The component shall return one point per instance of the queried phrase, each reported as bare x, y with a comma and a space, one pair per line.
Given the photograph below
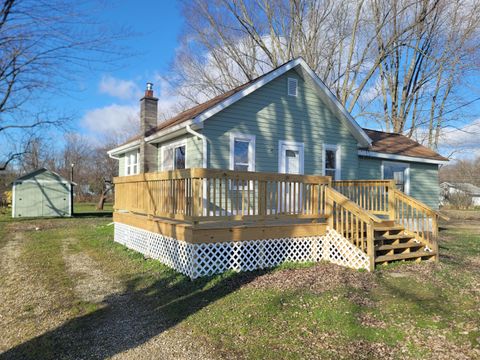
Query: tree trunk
103, 198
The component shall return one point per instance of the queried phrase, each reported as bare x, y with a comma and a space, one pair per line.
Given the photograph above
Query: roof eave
387, 156
169, 132
124, 148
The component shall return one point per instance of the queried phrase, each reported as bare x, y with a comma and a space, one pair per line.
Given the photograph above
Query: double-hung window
242, 152
174, 156
332, 161
131, 162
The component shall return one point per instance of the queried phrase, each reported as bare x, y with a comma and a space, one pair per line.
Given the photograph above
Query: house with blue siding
274, 170
286, 121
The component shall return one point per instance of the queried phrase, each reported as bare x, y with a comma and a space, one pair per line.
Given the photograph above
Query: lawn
71, 292
88, 207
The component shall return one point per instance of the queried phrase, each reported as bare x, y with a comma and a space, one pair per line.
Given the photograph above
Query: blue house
288, 123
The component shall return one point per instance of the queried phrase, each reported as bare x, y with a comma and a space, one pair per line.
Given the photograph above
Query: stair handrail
340, 204
399, 203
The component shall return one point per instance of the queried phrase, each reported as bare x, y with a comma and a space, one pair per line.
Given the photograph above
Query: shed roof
40, 171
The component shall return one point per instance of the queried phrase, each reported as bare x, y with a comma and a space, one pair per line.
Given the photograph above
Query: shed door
28, 200
41, 198
55, 198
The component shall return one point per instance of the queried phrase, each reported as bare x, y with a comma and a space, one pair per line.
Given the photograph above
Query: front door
291, 161
399, 172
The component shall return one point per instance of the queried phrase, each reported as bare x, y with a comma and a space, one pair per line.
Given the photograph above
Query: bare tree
397, 63
105, 169
42, 43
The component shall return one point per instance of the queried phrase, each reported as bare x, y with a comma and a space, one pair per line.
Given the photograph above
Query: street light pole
71, 188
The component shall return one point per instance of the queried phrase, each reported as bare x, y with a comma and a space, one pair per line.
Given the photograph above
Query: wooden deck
205, 206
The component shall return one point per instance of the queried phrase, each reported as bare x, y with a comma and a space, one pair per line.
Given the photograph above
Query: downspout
204, 164
204, 144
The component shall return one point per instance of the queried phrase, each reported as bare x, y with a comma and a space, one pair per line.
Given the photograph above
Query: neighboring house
257, 187
42, 193
460, 188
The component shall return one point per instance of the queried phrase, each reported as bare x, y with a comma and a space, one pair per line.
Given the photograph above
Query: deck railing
416, 217
352, 222
371, 195
381, 197
209, 194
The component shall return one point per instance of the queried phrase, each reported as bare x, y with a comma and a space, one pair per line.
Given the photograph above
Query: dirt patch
91, 283
422, 272
26, 307
317, 279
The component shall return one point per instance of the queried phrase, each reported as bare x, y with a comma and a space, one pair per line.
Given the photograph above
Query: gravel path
27, 309
128, 321
119, 326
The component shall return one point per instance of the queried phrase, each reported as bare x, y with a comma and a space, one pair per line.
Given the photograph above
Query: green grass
86, 207
426, 304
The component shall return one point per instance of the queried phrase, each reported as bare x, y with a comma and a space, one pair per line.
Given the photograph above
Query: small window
131, 165
332, 161
242, 152
292, 87
174, 157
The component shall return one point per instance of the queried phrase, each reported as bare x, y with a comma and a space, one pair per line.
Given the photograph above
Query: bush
459, 200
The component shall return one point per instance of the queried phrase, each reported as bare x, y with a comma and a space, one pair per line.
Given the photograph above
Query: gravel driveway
33, 317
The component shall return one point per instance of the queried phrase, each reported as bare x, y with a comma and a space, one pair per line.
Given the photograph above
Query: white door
291, 155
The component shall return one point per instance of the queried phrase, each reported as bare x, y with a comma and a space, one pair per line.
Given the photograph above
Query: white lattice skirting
195, 260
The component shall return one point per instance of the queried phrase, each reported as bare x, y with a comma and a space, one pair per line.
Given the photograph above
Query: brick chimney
148, 121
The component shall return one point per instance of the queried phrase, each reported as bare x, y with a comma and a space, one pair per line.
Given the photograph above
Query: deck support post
329, 208
435, 237
391, 200
371, 245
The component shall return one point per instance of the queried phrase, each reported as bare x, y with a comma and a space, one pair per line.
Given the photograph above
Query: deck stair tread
416, 254
394, 237
381, 227
399, 246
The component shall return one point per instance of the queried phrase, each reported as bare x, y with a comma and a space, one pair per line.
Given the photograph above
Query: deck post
391, 200
197, 198
329, 208
371, 245
434, 241
262, 198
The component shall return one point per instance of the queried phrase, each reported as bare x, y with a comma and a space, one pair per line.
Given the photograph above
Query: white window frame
131, 166
407, 172
173, 145
251, 149
284, 145
294, 81
338, 159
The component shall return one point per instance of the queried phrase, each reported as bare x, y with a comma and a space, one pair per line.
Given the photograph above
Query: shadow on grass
93, 214
131, 318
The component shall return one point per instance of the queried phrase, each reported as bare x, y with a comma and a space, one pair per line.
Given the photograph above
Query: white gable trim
378, 155
124, 148
356, 130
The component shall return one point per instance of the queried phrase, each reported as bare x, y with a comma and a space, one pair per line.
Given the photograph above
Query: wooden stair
392, 243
